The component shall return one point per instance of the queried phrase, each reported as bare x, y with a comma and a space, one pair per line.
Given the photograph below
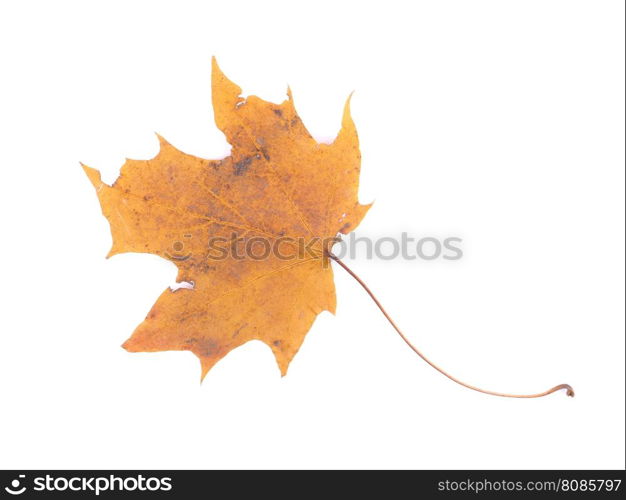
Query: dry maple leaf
279, 187
278, 182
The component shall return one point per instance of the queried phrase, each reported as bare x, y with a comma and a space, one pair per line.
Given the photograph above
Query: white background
499, 122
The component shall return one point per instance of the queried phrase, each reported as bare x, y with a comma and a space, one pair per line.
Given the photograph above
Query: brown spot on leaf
236, 332
242, 166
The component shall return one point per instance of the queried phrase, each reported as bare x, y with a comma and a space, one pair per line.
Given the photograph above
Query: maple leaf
278, 185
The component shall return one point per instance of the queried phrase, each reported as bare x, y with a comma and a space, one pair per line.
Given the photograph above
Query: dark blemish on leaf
278, 112
294, 121
201, 347
205, 347
265, 155
242, 166
203, 266
344, 227
147, 197
239, 329
189, 316
277, 343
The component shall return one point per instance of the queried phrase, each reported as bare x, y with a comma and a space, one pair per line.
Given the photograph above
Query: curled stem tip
569, 391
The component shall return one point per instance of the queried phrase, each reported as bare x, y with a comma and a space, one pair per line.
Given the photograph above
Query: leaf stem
568, 388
